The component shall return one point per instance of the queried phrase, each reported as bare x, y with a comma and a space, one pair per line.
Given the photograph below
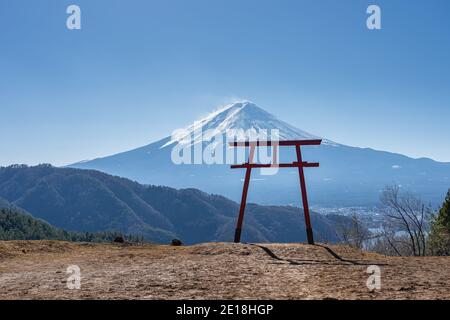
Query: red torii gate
300, 164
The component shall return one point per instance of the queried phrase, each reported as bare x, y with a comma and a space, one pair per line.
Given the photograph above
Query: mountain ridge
92, 201
347, 176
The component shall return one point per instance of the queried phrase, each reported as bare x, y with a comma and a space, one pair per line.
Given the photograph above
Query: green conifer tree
439, 240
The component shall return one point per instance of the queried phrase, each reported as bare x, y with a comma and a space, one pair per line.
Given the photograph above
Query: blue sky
137, 70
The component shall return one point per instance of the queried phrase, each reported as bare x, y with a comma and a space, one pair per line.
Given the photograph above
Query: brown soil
37, 270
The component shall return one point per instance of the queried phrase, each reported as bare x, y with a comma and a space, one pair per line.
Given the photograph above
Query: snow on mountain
241, 116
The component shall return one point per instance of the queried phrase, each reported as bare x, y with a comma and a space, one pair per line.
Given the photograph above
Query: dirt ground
37, 270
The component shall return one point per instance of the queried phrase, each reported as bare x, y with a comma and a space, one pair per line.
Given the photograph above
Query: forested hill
91, 201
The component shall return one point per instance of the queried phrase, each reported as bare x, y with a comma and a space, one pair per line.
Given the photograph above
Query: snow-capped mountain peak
241, 116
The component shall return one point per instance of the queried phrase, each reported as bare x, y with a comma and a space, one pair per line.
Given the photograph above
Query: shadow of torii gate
300, 164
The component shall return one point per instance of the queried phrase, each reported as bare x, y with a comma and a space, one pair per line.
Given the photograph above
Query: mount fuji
347, 176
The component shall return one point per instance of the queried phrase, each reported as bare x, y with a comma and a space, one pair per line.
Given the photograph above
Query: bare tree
354, 233
405, 225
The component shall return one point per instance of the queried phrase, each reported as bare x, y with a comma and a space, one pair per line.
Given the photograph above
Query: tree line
16, 225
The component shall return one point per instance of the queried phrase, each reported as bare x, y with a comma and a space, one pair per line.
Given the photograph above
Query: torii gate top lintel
259, 143
300, 164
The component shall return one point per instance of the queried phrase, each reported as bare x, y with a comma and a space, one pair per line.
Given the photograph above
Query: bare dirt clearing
37, 270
